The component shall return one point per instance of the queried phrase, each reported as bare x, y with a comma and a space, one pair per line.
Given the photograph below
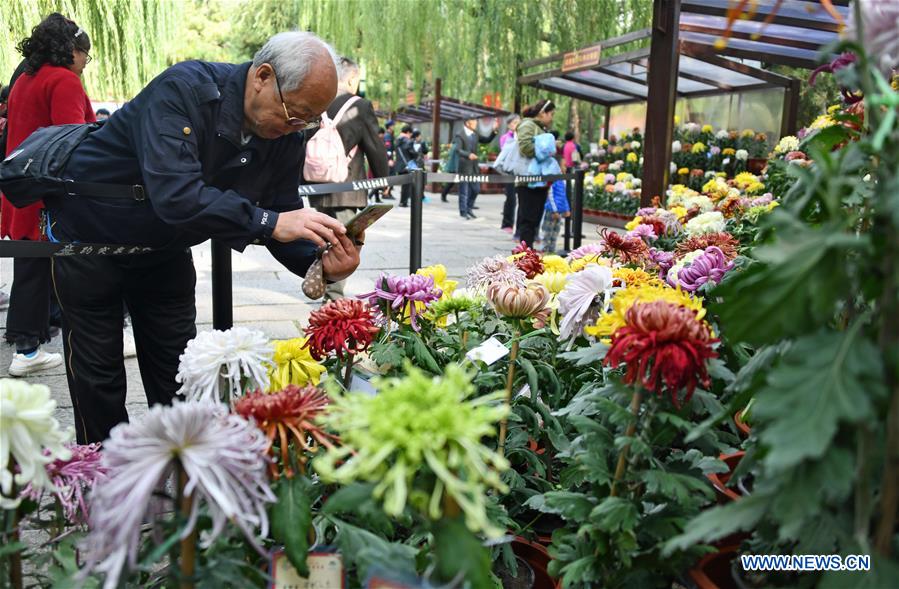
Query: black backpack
33, 170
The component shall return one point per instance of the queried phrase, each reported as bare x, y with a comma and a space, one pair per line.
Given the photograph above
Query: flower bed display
427, 434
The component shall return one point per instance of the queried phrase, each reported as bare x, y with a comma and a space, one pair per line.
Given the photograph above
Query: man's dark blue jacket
180, 137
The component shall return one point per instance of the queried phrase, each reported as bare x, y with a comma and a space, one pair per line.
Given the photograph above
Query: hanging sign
581, 59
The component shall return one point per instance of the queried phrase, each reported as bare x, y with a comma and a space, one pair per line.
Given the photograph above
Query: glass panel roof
601, 95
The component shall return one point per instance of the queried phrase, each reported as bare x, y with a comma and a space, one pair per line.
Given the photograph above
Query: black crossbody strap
100, 190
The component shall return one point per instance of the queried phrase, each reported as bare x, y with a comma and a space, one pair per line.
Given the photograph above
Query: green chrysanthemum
419, 440
456, 304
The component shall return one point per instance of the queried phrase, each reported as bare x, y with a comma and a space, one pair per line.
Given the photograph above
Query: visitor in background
358, 129
102, 114
4, 95
466, 143
537, 119
405, 155
49, 92
390, 146
508, 222
421, 148
555, 210
571, 155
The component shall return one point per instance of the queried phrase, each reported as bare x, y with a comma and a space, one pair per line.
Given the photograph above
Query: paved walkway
269, 298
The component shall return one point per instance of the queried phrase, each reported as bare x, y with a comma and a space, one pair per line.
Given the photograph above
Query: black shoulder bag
33, 171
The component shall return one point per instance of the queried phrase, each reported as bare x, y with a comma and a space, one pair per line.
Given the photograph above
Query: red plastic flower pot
720, 480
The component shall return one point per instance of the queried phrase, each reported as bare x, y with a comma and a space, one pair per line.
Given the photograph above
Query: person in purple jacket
556, 209
510, 204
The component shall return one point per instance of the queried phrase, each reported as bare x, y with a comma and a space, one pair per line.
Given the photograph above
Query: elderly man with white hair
214, 151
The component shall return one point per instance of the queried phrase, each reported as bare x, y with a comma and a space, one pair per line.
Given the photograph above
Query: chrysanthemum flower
724, 241
455, 304
223, 457
554, 263
578, 296
344, 326
236, 359
664, 346
289, 416
625, 249
710, 265
29, 435
609, 322
494, 270
628, 277
438, 273
420, 439
293, 364
590, 249
518, 302
72, 479
527, 260
552, 281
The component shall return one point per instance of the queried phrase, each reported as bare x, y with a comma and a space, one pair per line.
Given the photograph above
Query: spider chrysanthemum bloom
29, 435
664, 347
293, 364
235, 359
724, 241
626, 249
223, 458
406, 296
493, 270
72, 480
344, 326
288, 417
527, 260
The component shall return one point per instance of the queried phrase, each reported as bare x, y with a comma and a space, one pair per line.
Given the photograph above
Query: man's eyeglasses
296, 122
86, 54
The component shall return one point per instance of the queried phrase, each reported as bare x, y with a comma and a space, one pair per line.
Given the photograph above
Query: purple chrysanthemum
72, 479
644, 232
590, 249
709, 266
223, 456
402, 292
664, 260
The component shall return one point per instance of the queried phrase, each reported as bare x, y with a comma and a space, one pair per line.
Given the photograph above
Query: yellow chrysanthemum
581, 263
676, 120
633, 223
683, 171
822, 122
681, 212
747, 180
699, 147
293, 364
438, 273
632, 157
728, 151
554, 282
631, 277
833, 108
748, 133
707, 129
554, 263
599, 179
610, 321
622, 176
716, 188
603, 142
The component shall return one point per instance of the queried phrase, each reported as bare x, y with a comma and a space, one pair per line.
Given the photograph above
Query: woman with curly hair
48, 92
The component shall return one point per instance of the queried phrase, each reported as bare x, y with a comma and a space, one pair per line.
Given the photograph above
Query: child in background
555, 210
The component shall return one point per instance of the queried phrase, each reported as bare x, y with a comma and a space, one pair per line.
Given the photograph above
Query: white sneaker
22, 365
129, 349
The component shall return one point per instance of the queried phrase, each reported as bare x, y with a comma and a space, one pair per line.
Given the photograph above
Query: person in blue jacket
218, 149
556, 209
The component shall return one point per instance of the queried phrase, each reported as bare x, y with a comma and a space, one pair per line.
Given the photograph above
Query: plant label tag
325, 572
488, 352
362, 385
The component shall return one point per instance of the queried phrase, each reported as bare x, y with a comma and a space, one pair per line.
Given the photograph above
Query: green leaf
614, 514
587, 355
345, 499
363, 549
457, 550
423, 356
531, 373
719, 522
387, 355
823, 380
679, 486
570, 505
291, 520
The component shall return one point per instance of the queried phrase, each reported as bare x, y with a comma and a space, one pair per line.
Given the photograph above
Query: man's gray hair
346, 68
291, 55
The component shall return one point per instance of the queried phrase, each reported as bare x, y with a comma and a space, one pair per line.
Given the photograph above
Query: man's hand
555, 216
342, 258
308, 224
472, 156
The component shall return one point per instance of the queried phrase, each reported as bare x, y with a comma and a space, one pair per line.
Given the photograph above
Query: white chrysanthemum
787, 144
577, 297
635, 145
704, 203
675, 146
711, 222
223, 456
741, 154
494, 270
29, 435
881, 21
237, 356
722, 134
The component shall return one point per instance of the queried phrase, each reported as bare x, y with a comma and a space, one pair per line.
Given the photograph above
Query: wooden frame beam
720, 9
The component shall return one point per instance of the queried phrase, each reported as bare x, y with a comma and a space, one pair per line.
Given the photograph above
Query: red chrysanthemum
341, 326
658, 226
530, 263
288, 415
726, 242
626, 249
730, 207
665, 346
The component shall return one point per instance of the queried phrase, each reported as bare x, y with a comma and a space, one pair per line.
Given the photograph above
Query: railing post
222, 311
577, 209
418, 196
568, 192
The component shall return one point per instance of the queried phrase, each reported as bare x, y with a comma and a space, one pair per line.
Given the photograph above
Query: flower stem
631, 429
189, 543
15, 559
510, 379
348, 372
